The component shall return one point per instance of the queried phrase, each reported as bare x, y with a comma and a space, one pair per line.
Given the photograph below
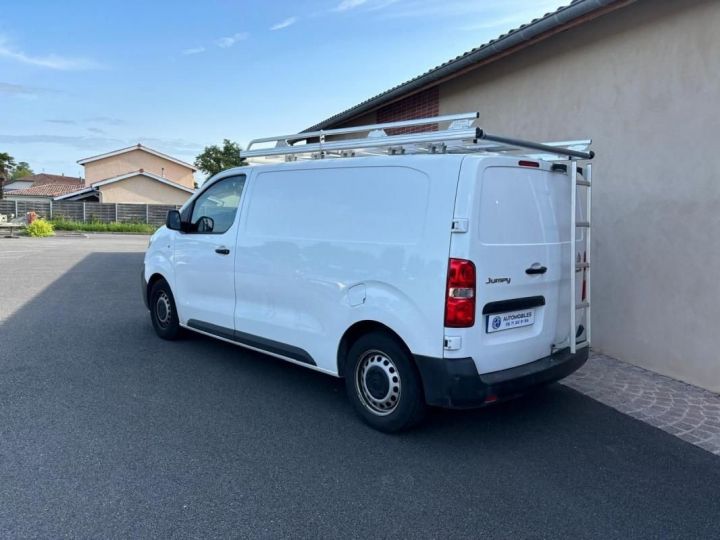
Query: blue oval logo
496, 322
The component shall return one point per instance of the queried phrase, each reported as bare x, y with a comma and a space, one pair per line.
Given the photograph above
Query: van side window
214, 210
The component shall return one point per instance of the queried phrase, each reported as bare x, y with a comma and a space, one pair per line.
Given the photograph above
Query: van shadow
98, 411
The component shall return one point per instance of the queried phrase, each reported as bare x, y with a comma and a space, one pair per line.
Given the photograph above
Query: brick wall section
421, 105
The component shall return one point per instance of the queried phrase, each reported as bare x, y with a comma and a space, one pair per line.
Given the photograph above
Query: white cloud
229, 41
61, 121
367, 5
382, 4
103, 144
22, 90
284, 24
67, 140
500, 22
107, 120
52, 61
346, 5
173, 146
482, 15
194, 50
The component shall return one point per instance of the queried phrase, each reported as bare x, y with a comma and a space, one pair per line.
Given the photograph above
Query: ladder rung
582, 265
582, 305
583, 343
585, 224
583, 183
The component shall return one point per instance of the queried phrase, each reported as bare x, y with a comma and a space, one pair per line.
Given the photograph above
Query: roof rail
458, 137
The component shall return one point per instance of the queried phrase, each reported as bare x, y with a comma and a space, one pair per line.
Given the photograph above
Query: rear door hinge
459, 225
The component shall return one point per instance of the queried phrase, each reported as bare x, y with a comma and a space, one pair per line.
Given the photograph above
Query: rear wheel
383, 384
163, 312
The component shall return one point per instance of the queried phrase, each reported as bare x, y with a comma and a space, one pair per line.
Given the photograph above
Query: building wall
43, 198
141, 189
364, 120
421, 105
644, 83
135, 160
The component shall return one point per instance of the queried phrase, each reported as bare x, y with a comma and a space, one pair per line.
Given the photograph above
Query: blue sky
82, 77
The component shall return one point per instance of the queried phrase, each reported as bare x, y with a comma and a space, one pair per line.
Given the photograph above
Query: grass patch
99, 226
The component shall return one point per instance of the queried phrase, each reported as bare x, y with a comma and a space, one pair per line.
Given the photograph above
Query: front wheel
383, 384
163, 312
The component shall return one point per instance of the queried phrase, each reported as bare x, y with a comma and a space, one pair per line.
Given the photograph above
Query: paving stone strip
681, 409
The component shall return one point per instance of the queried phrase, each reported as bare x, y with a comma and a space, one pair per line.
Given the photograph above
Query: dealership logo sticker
512, 319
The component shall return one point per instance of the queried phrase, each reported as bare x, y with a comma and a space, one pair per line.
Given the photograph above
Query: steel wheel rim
163, 310
370, 387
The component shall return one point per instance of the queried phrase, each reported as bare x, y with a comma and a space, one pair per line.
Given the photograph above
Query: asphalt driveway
107, 431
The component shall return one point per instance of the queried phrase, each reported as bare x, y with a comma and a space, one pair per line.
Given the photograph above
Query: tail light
460, 294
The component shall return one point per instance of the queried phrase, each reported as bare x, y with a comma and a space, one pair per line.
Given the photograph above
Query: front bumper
455, 382
144, 286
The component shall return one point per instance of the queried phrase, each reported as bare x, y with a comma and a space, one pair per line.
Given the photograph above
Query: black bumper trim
455, 382
515, 304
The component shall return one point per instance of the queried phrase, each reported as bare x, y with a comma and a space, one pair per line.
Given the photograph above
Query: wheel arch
361, 328
157, 276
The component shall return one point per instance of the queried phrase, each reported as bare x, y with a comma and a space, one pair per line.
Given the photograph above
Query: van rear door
518, 238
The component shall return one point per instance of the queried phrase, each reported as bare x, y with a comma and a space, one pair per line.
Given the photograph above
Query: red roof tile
44, 178
47, 190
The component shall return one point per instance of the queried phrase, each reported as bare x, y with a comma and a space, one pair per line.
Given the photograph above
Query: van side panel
323, 245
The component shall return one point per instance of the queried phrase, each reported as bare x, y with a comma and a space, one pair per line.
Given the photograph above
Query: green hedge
99, 226
40, 228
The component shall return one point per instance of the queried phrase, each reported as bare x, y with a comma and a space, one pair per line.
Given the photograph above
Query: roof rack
459, 136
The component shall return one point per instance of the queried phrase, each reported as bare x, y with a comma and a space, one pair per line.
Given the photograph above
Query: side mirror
173, 221
205, 224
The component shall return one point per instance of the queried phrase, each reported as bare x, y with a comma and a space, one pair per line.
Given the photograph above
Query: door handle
222, 251
536, 270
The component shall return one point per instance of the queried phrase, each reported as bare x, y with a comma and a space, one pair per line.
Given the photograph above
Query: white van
439, 279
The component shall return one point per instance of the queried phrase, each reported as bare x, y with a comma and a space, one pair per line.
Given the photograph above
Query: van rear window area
362, 204
524, 206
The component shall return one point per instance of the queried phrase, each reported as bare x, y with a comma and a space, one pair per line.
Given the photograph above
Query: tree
7, 164
215, 159
21, 170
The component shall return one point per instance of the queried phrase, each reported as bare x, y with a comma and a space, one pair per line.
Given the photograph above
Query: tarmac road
107, 431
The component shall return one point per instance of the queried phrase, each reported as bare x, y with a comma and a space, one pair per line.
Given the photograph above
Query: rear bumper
455, 382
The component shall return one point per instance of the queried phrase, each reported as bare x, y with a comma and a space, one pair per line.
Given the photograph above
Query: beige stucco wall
141, 189
644, 83
135, 160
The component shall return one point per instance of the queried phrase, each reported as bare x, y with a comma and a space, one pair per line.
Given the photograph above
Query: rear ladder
580, 265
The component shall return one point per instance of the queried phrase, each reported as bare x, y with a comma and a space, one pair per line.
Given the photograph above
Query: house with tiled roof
18, 186
43, 191
136, 174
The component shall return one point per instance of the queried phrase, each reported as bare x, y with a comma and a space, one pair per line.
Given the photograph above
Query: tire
163, 312
383, 384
